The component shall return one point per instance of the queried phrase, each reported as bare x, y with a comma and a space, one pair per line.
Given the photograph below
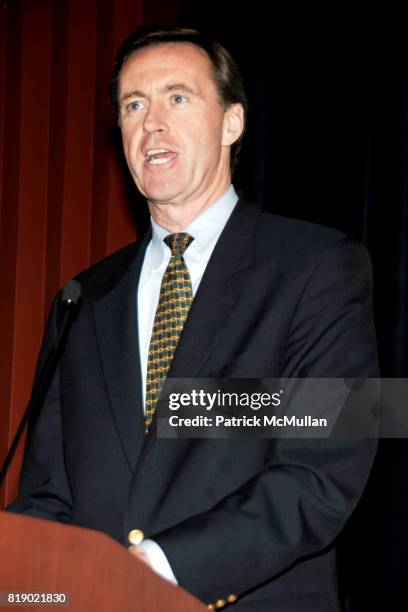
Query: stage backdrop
64, 194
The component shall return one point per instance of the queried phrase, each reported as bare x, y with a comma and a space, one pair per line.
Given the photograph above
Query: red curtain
63, 195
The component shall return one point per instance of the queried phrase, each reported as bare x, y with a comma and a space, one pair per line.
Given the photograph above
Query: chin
162, 196
159, 201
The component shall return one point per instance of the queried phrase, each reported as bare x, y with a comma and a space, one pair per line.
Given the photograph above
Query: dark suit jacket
255, 518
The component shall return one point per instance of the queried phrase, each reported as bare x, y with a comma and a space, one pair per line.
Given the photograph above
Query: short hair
227, 77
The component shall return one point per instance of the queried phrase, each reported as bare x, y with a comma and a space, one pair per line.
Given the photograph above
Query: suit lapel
219, 291
115, 316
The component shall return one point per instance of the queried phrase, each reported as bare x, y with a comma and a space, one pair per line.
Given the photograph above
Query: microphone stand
69, 305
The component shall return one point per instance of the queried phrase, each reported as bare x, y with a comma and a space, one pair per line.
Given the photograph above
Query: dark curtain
327, 141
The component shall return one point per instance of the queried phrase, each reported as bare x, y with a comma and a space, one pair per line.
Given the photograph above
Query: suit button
232, 598
220, 603
136, 536
210, 607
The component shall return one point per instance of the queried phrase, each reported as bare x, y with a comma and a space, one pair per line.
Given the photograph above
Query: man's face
176, 133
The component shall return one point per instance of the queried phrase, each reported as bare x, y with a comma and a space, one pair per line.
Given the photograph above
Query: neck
176, 216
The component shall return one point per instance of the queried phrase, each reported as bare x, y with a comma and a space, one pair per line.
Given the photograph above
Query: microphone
71, 294
68, 307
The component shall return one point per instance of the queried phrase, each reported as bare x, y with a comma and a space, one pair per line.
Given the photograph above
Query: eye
179, 99
135, 106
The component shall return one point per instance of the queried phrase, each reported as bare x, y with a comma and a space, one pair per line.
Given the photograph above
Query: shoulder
295, 247
284, 232
304, 242
297, 234
313, 254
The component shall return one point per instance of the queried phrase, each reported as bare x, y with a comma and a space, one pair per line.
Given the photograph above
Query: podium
93, 570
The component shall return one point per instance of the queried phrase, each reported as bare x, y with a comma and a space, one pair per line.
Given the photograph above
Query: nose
155, 118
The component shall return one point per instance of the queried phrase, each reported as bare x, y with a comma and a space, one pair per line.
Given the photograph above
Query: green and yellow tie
175, 299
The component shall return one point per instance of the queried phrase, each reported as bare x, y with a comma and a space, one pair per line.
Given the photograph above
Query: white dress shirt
205, 229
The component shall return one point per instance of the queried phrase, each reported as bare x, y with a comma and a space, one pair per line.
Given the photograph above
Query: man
243, 522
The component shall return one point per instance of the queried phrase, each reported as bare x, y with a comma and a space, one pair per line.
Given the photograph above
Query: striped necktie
175, 299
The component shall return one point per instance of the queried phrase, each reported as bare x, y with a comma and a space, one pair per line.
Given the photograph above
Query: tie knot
178, 242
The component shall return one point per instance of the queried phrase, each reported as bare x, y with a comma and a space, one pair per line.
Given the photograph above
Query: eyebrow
137, 93
182, 87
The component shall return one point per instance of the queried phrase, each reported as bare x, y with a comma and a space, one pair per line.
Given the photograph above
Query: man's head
176, 91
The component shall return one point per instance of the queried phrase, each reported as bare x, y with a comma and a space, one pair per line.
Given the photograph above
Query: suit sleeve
308, 488
44, 490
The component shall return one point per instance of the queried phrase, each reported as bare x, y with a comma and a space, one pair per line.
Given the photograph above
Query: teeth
163, 160
151, 152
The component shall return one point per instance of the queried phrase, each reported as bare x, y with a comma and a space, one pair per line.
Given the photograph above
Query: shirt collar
205, 229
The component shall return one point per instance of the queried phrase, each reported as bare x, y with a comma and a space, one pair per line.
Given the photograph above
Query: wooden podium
95, 572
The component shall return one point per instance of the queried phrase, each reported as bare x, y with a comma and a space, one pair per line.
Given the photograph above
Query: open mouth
158, 157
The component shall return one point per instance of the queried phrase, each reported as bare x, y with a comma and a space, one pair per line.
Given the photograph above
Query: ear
233, 124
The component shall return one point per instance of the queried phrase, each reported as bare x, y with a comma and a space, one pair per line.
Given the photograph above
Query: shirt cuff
158, 560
